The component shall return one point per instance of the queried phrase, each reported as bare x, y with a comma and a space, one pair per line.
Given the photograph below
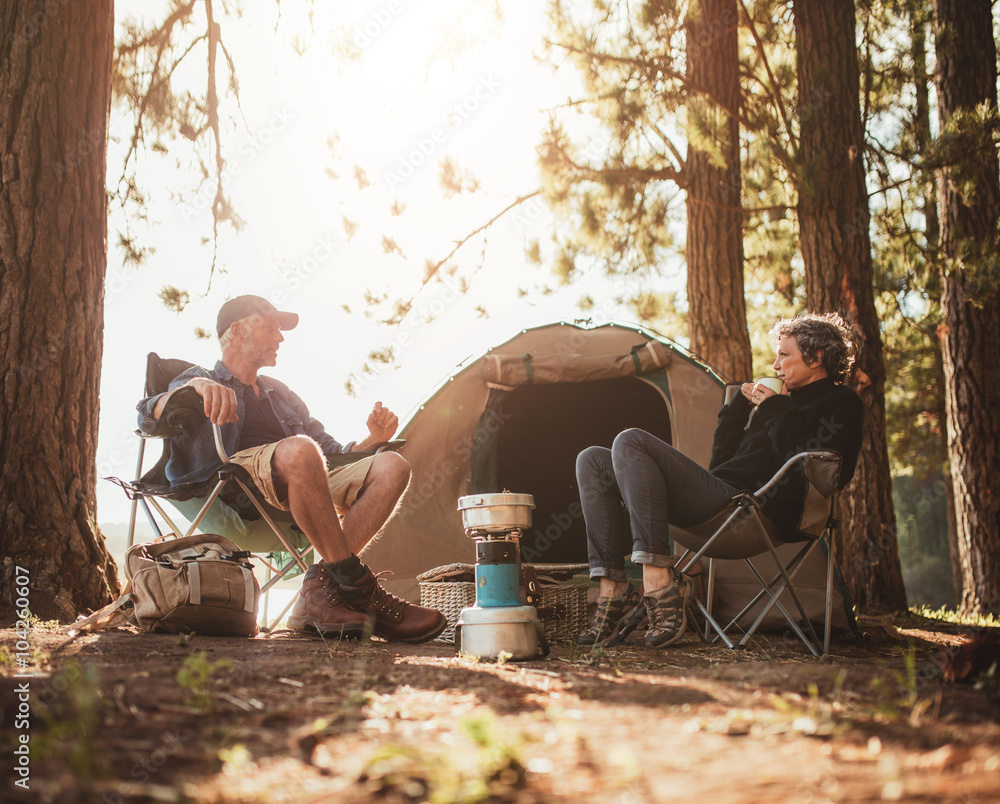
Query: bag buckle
239, 555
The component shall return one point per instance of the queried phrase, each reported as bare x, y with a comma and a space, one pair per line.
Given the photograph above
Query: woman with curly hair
656, 485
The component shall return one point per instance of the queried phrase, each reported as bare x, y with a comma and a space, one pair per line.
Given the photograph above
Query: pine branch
773, 88
433, 269
162, 34
165, 28
212, 98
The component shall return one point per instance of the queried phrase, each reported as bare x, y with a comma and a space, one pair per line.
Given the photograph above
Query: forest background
430, 177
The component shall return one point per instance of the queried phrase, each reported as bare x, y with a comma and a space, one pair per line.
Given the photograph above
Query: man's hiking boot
320, 608
394, 618
666, 611
609, 613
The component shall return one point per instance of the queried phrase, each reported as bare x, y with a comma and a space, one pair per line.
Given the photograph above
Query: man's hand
220, 401
382, 424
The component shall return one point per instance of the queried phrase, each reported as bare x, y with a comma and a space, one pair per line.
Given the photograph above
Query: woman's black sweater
820, 416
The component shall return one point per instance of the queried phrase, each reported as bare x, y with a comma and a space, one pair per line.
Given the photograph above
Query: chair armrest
182, 415
821, 468
220, 450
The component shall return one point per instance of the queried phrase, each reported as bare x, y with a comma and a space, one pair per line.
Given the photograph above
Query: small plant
72, 715
36, 658
197, 676
952, 616
902, 696
485, 768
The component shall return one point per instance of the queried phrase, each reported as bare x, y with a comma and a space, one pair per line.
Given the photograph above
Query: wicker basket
563, 607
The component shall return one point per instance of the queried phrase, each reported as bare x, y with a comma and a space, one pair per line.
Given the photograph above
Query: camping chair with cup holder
228, 505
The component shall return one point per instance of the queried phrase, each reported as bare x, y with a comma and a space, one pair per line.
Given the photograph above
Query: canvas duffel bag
202, 584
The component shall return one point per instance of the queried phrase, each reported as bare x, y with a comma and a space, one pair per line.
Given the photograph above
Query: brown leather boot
395, 618
319, 607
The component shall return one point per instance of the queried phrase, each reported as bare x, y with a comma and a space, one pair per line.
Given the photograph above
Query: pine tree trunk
921, 16
836, 249
970, 209
55, 89
717, 309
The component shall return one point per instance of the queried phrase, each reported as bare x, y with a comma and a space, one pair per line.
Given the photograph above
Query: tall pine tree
970, 211
836, 249
55, 82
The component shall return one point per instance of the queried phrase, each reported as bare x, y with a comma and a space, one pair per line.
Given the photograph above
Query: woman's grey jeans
656, 484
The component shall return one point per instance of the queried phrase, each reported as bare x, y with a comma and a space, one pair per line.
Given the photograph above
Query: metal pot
496, 512
512, 630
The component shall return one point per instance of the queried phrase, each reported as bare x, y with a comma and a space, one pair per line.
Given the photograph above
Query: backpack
202, 584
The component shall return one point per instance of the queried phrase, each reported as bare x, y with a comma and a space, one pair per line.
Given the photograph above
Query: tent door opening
542, 428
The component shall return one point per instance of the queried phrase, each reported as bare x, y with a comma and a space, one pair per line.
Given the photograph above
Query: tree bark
921, 17
716, 305
836, 250
970, 210
55, 91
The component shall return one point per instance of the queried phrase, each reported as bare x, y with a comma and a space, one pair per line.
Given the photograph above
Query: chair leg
281, 614
795, 595
773, 590
274, 526
264, 593
710, 622
163, 515
152, 520
709, 589
776, 591
829, 590
710, 593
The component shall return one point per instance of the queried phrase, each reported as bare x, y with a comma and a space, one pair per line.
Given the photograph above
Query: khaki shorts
344, 481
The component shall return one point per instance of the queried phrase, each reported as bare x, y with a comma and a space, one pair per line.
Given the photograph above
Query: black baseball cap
242, 306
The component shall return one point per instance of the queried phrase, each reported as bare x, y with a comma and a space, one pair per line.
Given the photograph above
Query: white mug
774, 383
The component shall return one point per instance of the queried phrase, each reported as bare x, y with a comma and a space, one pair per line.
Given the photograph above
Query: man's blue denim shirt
194, 460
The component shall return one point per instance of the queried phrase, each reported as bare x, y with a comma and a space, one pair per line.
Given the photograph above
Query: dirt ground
124, 717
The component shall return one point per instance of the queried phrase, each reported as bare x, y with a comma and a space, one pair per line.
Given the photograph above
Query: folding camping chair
273, 537
742, 530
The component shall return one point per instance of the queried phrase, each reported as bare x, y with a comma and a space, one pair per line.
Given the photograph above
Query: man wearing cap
299, 467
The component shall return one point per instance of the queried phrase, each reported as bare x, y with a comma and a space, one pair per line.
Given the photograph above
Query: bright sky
410, 100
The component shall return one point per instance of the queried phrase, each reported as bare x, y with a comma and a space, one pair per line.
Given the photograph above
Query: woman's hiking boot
610, 612
666, 611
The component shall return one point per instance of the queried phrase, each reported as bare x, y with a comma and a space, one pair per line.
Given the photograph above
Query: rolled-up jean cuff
611, 574
653, 559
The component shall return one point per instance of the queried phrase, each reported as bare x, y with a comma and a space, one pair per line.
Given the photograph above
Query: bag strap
111, 616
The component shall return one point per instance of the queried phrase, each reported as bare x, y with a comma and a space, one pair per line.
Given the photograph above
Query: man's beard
256, 354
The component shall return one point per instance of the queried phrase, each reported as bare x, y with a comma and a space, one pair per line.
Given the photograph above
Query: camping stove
498, 623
